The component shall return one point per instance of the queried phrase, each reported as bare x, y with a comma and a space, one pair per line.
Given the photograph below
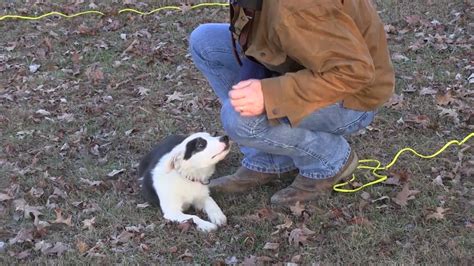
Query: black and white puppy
175, 175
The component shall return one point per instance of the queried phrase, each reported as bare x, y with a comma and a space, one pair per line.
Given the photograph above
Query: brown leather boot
307, 189
241, 181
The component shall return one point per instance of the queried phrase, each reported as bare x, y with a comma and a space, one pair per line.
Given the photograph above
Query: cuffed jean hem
260, 169
318, 175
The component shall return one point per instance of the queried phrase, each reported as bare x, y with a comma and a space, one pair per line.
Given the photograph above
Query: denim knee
241, 129
199, 41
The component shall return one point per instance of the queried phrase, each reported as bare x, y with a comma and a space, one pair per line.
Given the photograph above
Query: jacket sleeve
335, 57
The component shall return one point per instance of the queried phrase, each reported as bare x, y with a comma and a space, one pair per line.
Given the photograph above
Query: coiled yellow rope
125, 10
375, 165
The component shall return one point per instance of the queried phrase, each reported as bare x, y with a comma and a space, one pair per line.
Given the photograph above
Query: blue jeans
316, 147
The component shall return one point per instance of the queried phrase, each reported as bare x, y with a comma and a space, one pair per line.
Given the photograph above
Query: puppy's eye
200, 145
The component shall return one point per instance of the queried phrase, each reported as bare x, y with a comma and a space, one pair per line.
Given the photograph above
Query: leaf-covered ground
82, 99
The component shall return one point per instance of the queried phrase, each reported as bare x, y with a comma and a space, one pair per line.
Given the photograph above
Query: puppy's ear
174, 161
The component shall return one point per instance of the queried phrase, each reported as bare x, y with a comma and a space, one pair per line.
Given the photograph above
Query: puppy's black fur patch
194, 146
149, 162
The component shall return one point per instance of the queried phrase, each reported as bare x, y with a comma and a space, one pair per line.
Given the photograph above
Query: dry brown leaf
444, 99
58, 249
405, 195
60, 219
36, 192
122, 238
173, 249
288, 223
88, 223
423, 120
271, 246
91, 183
115, 172
296, 259
395, 102
5, 197
439, 214
186, 225
22, 236
186, 256
299, 236
297, 209
82, 246
20, 255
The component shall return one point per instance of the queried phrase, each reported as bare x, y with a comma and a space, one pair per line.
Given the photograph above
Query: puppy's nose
224, 139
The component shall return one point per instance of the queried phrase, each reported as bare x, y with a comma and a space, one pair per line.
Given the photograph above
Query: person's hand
247, 97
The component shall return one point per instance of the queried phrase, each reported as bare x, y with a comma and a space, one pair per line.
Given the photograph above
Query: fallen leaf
288, 223
186, 255
88, 223
450, 113
186, 225
91, 183
399, 57
58, 249
43, 246
122, 237
36, 192
82, 246
423, 120
5, 197
428, 91
42, 112
395, 102
22, 236
173, 249
20, 255
115, 172
296, 259
439, 214
299, 236
143, 205
271, 246
365, 195
444, 99
405, 195
297, 209
142, 91
60, 219
34, 67
176, 96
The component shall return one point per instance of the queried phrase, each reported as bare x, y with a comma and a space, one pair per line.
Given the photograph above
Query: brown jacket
327, 50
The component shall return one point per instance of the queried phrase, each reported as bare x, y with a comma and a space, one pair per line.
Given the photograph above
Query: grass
56, 154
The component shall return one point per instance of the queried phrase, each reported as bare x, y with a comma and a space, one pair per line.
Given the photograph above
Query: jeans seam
205, 53
308, 153
354, 122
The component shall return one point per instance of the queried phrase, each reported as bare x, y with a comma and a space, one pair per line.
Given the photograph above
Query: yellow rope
125, 10
376, 165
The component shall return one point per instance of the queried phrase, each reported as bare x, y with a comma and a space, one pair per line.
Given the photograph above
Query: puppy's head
196, 156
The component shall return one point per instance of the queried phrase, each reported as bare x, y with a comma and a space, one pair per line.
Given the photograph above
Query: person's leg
317, 145
212, 52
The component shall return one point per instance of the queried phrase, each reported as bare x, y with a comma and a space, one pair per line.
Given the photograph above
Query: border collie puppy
175, 175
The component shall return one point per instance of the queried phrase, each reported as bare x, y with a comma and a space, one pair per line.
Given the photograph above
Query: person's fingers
237, 94
242, 84
240, 102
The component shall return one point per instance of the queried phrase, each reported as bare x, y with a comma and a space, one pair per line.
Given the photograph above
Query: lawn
83, 99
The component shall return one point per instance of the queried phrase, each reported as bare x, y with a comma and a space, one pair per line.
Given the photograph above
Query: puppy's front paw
206, 226
217, 217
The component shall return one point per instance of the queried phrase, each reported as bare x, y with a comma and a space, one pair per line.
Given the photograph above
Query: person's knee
199, 40
241, 129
